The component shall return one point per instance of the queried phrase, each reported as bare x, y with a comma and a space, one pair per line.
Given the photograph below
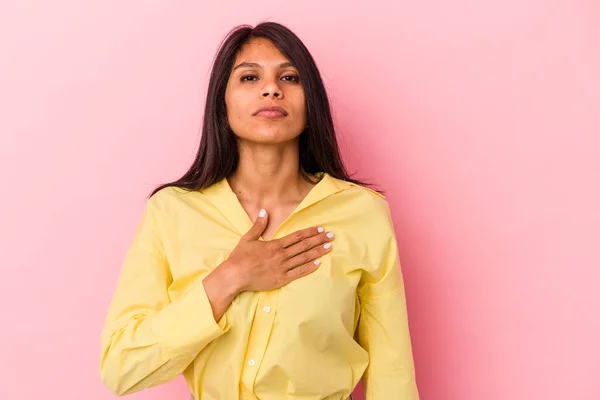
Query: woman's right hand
265, 265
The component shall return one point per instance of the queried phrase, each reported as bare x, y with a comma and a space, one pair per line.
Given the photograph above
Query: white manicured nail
262, 213
317, 262
327, 245
321, 229
330, 235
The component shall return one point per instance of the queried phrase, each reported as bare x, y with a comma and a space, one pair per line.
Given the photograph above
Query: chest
276, 217
199, 252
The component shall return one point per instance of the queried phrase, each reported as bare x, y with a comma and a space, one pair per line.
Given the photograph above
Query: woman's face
263, 77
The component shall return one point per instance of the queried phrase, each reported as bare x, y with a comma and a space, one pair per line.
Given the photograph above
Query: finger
308, 244
303, 270
298, 236
260, 224
307, 256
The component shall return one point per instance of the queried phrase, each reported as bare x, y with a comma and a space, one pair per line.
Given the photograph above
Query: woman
272, 308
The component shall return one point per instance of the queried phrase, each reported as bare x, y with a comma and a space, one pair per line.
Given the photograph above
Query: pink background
480, 119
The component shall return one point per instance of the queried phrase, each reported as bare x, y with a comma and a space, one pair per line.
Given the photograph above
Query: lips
271, 112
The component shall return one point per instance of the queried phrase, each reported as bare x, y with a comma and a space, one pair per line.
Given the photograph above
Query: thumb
260, 224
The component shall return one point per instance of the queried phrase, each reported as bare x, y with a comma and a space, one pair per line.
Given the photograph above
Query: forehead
260, 49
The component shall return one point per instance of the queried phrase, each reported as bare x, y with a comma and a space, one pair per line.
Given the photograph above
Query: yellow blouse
311, 339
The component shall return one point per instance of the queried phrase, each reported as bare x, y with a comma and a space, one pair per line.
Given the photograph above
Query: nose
271, 89
273, 93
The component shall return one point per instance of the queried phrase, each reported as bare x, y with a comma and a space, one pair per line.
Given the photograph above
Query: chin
269, 136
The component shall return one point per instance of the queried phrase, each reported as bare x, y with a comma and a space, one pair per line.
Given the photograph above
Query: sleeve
148, 340
383, 329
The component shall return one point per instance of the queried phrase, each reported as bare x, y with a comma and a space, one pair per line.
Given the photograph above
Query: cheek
234, 101
235, 110
301, 104
301, 112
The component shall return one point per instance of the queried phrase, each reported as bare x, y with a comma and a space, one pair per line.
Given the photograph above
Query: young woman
265, 272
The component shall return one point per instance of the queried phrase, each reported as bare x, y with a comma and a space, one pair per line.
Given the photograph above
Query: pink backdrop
481, 119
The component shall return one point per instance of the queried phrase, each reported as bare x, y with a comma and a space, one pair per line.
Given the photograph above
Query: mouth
271, 112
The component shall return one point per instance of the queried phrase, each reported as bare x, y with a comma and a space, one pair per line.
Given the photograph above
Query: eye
243, 78
295, 78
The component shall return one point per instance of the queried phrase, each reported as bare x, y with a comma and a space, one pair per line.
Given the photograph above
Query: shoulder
365, 195
368, 193
169, 199
368, 206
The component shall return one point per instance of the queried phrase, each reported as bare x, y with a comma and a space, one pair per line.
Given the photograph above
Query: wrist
232, 280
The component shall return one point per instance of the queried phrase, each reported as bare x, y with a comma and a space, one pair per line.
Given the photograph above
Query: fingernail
262, 213
327, 245
321, 229
330, 235
317, 262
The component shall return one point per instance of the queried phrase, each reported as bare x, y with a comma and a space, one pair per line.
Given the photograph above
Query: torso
278, 213
276, 218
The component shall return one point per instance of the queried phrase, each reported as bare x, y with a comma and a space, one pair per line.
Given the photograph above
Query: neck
268, 174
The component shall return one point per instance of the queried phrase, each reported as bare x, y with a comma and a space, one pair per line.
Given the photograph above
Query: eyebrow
255, 65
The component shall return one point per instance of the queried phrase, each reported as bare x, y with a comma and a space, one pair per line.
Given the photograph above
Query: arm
147, 339
383, 325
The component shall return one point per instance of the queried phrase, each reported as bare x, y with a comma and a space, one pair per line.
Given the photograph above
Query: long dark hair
217, 156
